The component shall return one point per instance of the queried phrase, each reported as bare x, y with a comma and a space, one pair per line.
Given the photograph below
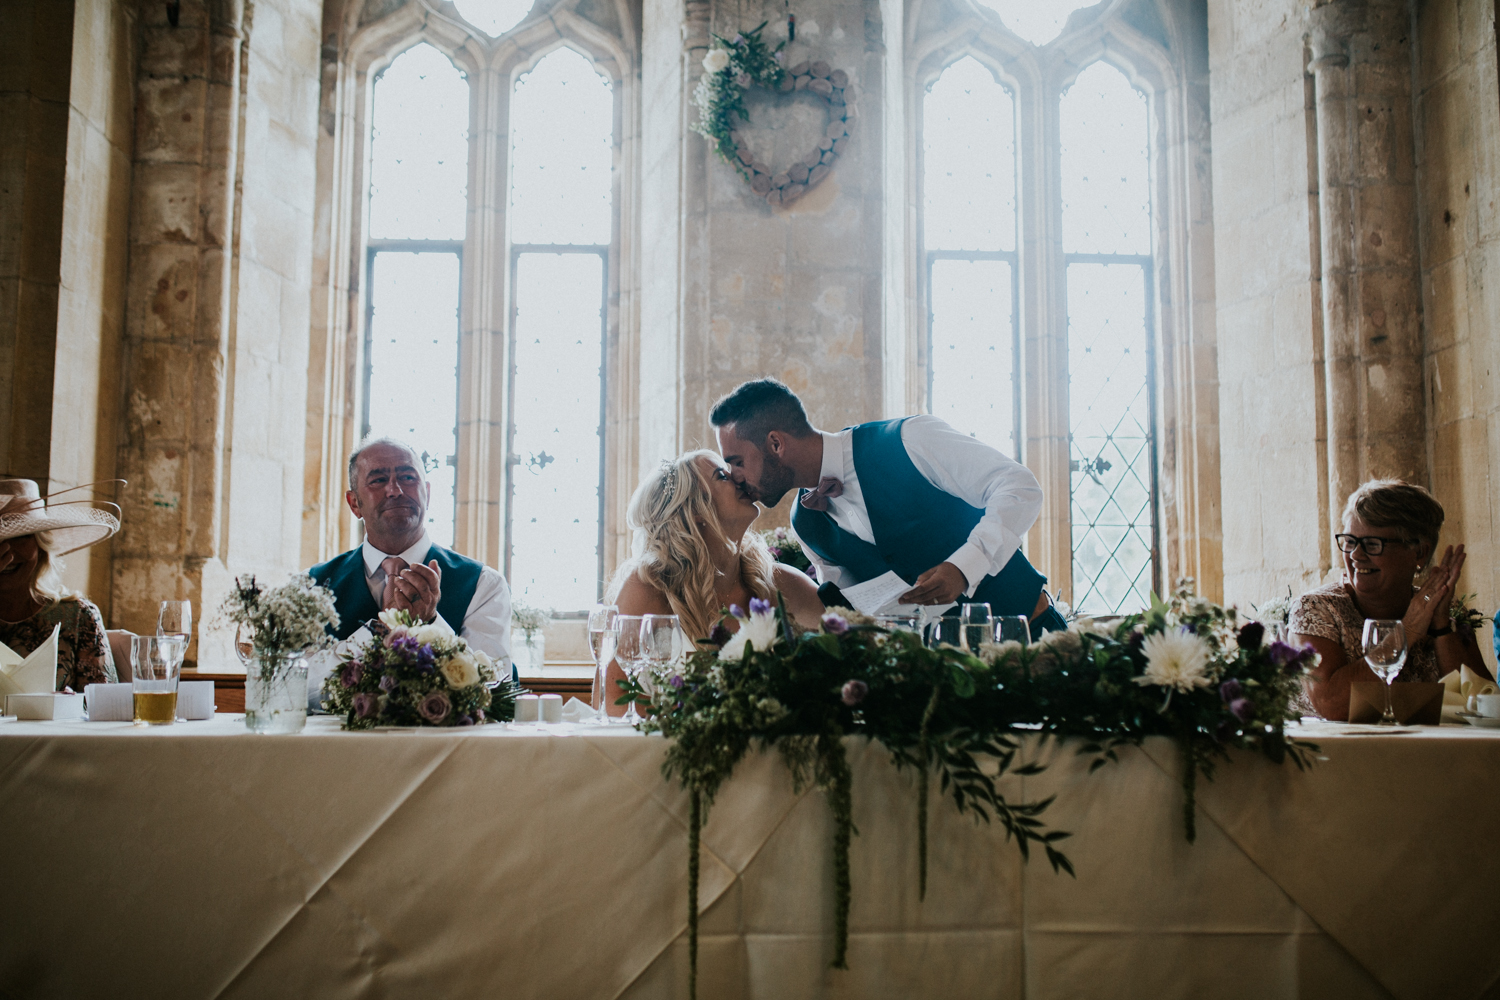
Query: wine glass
175, 620
1385, 652
977, 627
602, 631
630, 653
659, 641
1013, 628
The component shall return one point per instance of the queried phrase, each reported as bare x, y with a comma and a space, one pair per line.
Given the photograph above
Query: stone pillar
178, 308
790, 291
1372, 306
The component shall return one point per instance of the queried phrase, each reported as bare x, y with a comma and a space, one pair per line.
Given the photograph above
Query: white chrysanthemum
760, 629
1084, 625
716, 60
1175, 660
460, 670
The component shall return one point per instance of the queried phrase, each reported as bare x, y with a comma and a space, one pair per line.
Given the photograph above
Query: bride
693, 556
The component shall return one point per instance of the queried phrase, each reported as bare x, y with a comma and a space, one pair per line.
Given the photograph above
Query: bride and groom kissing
900, 512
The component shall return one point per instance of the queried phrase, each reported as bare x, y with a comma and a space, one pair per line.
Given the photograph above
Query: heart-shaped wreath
734, 65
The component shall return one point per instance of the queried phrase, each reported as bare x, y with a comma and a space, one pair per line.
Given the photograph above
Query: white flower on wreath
995, 653
759, 629
1177, 660
460, 670
716, 61
1063, 642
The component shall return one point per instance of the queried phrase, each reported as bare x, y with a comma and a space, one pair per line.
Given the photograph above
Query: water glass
659, 640
602, 633
977, 627
155, 665
176, 619
1013, 628
630, 654
1385, 652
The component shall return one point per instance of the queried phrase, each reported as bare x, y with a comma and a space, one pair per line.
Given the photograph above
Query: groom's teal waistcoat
916, 525
345, 576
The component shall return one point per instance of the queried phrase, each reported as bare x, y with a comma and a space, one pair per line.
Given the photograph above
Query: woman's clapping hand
1430, 605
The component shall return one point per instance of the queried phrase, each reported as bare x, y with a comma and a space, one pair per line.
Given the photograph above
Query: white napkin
34, 674
110, 702
1458, 687
195, 700
576, 711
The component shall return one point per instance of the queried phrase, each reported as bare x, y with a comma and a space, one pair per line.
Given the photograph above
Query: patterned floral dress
83, 655
1330, 613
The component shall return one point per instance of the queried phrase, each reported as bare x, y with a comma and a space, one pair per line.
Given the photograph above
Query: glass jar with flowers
528, 641
276, 628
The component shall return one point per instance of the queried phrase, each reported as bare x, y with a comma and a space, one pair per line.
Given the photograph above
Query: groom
398, 565
911, 495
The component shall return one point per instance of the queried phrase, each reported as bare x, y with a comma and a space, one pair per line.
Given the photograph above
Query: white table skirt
202, 861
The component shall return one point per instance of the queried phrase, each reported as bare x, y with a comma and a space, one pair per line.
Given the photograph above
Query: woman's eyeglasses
1373, 544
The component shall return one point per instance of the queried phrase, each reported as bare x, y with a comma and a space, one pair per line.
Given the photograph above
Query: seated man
398, 566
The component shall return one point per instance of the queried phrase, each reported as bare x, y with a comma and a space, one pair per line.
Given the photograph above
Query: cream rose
460, 671
716, 61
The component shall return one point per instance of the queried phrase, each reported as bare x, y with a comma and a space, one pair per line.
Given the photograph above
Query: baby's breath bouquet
411, 674
274, 623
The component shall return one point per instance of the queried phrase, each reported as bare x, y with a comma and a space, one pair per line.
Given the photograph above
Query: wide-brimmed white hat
74, 524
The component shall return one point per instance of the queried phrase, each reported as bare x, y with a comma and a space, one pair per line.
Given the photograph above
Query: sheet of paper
878, 596
36, 674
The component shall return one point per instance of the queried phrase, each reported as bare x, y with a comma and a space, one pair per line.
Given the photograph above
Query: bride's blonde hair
672, 514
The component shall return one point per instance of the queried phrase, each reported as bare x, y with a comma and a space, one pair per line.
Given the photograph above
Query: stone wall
1457, 97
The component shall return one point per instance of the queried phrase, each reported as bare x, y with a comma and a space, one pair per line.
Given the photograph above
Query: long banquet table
201, 861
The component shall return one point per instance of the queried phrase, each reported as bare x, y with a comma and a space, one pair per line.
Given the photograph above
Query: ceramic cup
1488, 705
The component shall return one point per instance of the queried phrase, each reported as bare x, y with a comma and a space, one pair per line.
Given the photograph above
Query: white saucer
1482, 721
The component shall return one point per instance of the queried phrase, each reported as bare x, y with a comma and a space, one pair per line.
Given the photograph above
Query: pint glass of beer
155, 662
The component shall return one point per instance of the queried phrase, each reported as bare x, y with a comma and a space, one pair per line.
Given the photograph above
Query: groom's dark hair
757, 408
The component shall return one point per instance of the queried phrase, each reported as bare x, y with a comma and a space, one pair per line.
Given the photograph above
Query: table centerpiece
276, 629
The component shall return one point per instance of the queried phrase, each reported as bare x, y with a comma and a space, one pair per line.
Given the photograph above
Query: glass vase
528, 652
276, 694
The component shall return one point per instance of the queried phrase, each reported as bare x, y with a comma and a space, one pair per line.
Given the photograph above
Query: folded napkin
576, 711
1458, 687
34, 674
116, 702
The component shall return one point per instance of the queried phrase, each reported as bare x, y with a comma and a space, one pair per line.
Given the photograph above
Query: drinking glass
176, 618
659, 641
155, 662
1013, 628
945, 631
977, 627
630, 653
601, 631
1385, 652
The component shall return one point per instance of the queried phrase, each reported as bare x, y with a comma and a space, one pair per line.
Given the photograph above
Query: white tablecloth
202, 861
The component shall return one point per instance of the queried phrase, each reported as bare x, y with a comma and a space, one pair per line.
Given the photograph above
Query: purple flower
738, 39
1230, 690
777, 57
349, 676
854, 692
388, 683
365, 705
425, 658
719, 635
1281, 654
1251, 636
465, 720
737, 611
1243, 709
835, 624
675, 680
435, 707
743, 80
478, 716
759, 607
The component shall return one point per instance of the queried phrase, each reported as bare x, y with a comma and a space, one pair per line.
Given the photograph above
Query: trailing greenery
1186, 669
731, 67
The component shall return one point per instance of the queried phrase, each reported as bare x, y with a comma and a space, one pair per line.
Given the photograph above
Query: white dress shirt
487, 621
955, 463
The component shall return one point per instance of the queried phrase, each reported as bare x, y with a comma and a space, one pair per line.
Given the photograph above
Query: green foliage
720, 95
962, 717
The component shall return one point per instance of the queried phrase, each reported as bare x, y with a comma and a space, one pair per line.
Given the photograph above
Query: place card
44, 707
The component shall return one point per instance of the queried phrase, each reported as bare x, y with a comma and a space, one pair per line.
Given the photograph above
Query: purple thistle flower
388, 683
1243, 709
1281, 654
758, 606
854, 692
1251, 635
435, 707
720, 635
365, 705
836, 624
737, 611
1230, 690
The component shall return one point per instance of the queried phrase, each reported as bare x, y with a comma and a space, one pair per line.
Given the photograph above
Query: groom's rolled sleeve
487, 620
982, 477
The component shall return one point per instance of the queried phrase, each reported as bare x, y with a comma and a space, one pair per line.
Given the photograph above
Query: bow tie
828, 488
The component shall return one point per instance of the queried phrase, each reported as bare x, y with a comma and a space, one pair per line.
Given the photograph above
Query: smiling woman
1391, 531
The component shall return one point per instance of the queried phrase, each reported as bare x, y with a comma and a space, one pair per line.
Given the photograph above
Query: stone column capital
1330, 26
695, 20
